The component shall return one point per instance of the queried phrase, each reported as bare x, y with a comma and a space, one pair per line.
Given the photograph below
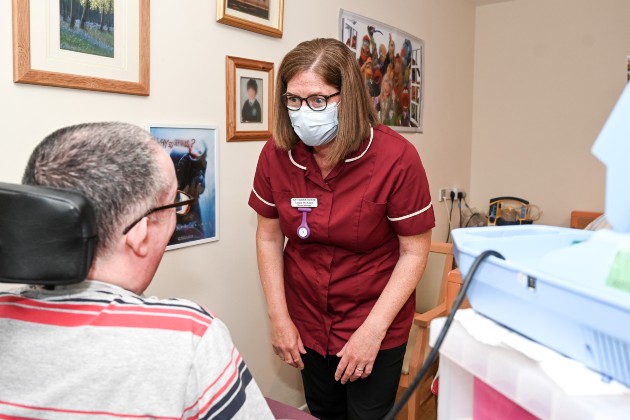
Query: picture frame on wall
193, 150
78, 44
263, 16
392, 65
250, 95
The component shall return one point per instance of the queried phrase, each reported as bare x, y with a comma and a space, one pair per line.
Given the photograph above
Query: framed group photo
193, 150
392, 65
250, 91
100, 45
263, 16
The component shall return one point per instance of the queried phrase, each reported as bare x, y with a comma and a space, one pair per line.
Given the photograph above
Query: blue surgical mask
315, 128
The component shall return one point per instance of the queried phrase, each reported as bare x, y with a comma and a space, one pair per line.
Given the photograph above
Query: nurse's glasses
315, 102
181, 205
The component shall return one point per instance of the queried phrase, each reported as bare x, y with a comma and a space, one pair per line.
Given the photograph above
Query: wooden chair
581, 219
430, 303
453, 285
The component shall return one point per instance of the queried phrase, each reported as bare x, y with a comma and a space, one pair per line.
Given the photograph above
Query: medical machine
505, 211
566, 289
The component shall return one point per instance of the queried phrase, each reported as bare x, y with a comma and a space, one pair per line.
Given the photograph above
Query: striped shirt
97, 351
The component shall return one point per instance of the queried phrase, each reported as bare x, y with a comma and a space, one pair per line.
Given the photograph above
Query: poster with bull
193, 150
391, 63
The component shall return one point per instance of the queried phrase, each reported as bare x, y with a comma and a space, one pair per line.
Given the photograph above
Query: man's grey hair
113, 164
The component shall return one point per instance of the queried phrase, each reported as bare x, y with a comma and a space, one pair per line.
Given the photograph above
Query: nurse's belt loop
304, 231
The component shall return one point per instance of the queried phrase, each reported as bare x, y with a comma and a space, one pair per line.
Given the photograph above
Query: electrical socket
445, 193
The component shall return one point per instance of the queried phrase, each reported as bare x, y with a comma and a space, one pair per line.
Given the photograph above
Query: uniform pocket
374, 228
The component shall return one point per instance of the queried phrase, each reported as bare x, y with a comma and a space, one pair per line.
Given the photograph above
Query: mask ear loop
303, 231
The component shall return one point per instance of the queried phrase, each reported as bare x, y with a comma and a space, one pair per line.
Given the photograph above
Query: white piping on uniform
366, 149
347, 160
263, 200
397, 219
295, 163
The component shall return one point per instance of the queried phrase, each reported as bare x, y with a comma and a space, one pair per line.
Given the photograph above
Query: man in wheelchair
100, 202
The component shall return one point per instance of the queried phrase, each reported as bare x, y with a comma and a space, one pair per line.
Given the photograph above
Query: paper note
619, 275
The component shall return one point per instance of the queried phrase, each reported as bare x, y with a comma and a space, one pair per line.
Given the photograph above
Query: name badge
304, 202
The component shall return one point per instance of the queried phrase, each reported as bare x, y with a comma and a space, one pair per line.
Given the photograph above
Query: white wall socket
445, 193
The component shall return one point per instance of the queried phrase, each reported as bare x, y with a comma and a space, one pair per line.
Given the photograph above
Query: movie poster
193, 151
391, 63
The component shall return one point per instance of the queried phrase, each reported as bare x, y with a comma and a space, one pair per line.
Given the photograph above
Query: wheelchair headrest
47, 235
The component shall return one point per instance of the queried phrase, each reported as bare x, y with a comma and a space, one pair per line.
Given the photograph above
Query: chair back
47, 235
581, 219
431, 291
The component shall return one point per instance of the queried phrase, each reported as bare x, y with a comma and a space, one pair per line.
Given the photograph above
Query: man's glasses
181, 205
315, 102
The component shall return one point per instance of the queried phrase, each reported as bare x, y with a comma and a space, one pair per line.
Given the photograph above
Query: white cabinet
524, 380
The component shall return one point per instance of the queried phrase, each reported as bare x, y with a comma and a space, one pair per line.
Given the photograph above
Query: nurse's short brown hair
337, 65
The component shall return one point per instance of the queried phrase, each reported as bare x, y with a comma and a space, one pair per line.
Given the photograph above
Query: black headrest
47, 235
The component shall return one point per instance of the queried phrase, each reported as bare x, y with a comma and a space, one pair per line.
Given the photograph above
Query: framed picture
392, 65
262, 16
100, 45
250, 92
193, 150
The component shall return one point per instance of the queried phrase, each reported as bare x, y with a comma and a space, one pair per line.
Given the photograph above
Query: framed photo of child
249, 99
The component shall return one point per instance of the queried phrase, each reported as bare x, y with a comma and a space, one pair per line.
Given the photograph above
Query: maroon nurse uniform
334, 277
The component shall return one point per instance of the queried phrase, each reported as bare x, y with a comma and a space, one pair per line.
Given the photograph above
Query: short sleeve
261, 197
409, 208
219, 383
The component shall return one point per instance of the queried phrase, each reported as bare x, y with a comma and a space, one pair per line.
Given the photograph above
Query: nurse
352, 199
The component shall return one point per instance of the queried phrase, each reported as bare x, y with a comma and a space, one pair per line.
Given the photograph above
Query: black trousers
364, 399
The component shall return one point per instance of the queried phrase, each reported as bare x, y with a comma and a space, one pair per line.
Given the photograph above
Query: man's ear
137, 239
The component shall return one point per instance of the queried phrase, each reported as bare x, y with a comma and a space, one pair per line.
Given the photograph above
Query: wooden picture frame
24, 71
249, 82
262, 16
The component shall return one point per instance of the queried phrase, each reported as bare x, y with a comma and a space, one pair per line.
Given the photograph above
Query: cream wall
547, 73
188, 50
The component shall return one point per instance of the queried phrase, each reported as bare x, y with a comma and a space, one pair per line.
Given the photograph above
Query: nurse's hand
358, 355
287, 343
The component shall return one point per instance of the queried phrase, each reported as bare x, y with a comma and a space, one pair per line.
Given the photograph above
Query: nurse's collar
302, 167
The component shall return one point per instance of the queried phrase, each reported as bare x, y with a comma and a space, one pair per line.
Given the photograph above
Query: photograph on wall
391, 63
193, 150
249, 92
100, 45
87, 26
251, 98
258, 8
263, 16
628, 67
